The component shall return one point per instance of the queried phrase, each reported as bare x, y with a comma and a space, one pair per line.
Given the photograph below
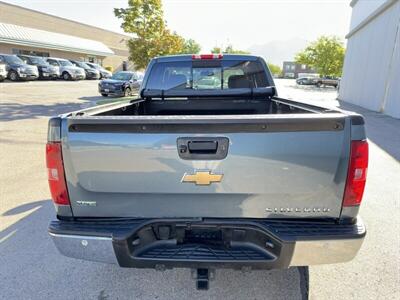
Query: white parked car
3, 72
67, 70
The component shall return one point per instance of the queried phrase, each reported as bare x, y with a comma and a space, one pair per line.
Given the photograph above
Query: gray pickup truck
327, 81
208, 169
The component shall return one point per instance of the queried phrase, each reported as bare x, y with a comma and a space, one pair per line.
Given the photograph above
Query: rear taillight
357, 173
207, 56
55, 170
55, 165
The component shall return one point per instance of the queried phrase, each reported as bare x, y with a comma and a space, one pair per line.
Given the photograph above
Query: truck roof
189, 57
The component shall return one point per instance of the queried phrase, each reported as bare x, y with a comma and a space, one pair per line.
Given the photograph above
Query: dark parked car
91, 73
17, 69
305, 81
103, 72
123, 83
46, 71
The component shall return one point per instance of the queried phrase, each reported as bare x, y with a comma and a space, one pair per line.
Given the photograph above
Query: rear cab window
207, 75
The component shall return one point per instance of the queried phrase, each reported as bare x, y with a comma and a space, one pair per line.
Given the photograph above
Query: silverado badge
202, 178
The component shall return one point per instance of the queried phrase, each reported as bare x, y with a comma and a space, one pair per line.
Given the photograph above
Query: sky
251, 24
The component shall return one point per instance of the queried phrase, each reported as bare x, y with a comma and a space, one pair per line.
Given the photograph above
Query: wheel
13, 76
66, 76
104, 95
319, 84
127, 92
300, 82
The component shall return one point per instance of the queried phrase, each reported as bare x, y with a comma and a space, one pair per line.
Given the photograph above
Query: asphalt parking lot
31, 268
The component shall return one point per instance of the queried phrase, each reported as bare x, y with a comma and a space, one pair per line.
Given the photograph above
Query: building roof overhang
25, 36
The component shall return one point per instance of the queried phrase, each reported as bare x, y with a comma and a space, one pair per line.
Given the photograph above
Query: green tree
170, 43
228, 50
216, 50
190, 46
275, 69
144, 18
325, 55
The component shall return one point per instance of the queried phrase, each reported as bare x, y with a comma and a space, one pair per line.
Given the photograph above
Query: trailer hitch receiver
202, 277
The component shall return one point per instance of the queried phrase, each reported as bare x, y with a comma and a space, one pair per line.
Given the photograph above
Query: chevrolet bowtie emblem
202, 178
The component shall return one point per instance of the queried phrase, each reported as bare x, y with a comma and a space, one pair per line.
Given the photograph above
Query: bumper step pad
204, 252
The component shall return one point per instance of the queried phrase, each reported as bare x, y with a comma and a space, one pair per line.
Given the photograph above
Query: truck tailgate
281, 166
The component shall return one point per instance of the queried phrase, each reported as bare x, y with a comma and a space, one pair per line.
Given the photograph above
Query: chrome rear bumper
294, 250
93, 248
307, 253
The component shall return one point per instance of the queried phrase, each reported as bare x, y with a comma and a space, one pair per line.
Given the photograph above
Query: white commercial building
371, 72
30, 32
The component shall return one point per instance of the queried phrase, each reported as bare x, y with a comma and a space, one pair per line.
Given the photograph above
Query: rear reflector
357, 173
55, 170
207, 56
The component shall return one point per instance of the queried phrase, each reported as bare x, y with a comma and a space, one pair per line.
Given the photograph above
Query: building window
303, 67
293, 66
29, 52
93, 60
289, 75
287, 67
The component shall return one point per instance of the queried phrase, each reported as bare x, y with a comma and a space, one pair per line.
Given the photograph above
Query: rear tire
104, 95
66, 76
319, 84
13, 76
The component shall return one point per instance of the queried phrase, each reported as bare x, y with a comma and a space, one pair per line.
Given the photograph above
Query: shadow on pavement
93, 98
382, 130
32, 268
101, 99
25, 207
11, 111
31, 81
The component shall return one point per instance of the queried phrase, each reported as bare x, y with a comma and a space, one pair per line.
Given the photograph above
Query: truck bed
188, 106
